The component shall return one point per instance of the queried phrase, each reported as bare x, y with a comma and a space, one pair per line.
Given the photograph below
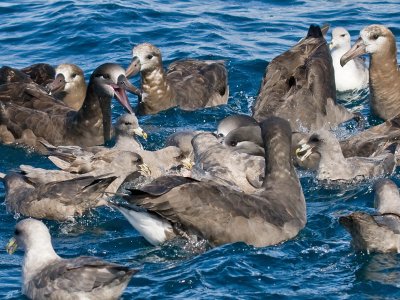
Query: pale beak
144, 170
304, 151
187, 163
140, 132
355, 51
11, 246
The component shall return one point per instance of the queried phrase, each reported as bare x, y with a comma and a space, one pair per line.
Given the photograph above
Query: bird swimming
379, 232
353, 75
45, 275
188, 84
171, 206
25, 106
384, 74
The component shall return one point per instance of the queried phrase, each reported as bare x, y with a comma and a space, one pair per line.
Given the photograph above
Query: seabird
45, 275
60, 200
299, 86
189, 84
384, 73
352, 76
276, 212
25, 106
334, 167
69, 85
379, 232
233, 122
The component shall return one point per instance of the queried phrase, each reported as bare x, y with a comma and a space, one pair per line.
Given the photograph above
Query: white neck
127, 143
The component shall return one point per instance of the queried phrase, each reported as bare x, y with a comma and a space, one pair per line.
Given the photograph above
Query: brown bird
384, 73
189, 84
26, 106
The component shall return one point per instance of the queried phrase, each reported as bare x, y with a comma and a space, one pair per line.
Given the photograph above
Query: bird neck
127, 143
76, 96
156, 92
36, 258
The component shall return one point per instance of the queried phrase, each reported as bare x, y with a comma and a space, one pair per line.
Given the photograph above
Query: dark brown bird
275, 213
189, 84
27, 106
299, 86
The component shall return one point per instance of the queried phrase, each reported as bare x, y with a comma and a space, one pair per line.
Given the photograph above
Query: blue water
319, 262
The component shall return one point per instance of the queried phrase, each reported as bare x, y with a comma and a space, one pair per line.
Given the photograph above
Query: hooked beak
120, 94
332, 45
133, 68
357, 50
140, 132
11, 246
304, 151
144, 170
57, 85
125, 84
187, 163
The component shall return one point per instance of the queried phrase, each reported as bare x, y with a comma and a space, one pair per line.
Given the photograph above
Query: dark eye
139, 159
106, 76
375, 36
343, 35
220, 135
17, 232
314, 139
73, 75
149, 56
233, 143
127, 123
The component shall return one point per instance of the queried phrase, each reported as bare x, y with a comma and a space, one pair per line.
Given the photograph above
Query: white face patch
372, 45
145, 53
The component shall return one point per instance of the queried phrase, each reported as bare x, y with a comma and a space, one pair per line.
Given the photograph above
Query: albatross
384, 73
45, 275
276, 212
189, 84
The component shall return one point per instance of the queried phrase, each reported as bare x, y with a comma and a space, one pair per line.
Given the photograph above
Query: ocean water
319, 263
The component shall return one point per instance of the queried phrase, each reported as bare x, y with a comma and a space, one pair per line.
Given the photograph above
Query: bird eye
375, 36
139, 160
73, 75
233, 143
343, 35
127, 123
149, 56
314, 139
220, 135
17, 232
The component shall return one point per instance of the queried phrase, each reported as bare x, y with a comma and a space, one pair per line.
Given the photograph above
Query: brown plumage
189, 84
274, 213
27, 106
384, 73
299, 86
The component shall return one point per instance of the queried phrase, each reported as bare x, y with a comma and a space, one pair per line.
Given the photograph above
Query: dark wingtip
314, 32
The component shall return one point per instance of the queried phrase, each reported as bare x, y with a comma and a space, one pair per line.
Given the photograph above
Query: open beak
140, 132
133, 68
57, 85
11, 246
357, 50
304, 151
120, 94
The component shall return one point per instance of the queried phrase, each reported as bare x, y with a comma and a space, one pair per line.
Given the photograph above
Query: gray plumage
189, 84
381, 232
48, 276
233, 122
274, 213
59, 201
334, 167
299, 86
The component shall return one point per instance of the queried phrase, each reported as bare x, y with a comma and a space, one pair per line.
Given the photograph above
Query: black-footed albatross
384, 73
276, 212
334, 167
189, 84
299, 86
26, 106
41, 74
61, 200
378, 232
46, 275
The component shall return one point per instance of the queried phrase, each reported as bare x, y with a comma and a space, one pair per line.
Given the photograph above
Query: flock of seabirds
238, 184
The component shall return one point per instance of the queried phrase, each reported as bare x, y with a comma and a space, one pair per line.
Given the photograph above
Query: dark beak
57, 85
133, 68
357, 50
120, 94
126, 85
